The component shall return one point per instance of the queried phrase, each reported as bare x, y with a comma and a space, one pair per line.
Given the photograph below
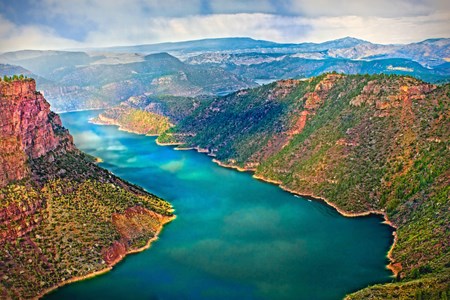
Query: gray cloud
125, 22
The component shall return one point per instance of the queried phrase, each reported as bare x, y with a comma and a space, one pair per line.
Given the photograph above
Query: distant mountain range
429, 52
103, 77
283, 66
75, 80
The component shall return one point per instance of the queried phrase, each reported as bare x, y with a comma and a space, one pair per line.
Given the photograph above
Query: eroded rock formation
28, 129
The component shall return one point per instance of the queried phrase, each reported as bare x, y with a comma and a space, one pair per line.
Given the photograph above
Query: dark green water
234, 236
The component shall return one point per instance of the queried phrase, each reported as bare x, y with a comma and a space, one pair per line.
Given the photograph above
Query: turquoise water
234, 236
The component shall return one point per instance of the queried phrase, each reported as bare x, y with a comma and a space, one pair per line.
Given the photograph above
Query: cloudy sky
60, 24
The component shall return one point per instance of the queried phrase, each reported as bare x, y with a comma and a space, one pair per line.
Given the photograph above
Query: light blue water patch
265, 81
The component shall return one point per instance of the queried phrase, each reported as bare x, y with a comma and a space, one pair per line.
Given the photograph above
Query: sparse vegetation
66, 224
135, 120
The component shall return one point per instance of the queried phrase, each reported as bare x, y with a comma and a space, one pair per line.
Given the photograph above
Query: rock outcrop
28, 129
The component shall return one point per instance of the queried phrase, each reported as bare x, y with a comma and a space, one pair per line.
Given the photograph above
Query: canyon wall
28, 129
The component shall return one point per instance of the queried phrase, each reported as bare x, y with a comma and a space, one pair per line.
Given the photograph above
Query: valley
341, 145
104, 77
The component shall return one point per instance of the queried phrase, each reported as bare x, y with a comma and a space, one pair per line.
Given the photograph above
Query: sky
65, 24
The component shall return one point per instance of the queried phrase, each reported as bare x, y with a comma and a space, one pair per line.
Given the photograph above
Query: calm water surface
234, 236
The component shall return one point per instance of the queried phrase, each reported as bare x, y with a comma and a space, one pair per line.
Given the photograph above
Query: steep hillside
364, 143
62, 218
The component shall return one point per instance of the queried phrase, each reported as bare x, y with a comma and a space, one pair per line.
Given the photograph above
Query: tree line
14, 77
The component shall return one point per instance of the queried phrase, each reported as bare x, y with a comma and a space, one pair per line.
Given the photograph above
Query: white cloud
364, 8
15, 37
248, 6
260, 26
121, 10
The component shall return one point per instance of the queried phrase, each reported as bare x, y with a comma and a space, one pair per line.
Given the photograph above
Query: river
234, 236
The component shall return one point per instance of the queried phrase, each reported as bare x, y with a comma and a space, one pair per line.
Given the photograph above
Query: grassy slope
134, 120
368, 143
151, 115
72, 227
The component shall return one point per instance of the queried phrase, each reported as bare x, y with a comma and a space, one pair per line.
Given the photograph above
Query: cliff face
61, 216
28, 129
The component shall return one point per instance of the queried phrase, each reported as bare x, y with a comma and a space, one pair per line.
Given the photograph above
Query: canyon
365, 144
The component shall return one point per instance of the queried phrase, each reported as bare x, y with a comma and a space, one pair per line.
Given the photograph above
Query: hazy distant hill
10, 70
44, 63
428, 53
104, 77
255, 59
75, 85
283, 66
218, 44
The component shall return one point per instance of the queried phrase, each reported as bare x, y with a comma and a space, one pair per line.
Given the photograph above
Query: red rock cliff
28, 129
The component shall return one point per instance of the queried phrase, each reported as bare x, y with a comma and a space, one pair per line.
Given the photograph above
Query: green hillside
364, 143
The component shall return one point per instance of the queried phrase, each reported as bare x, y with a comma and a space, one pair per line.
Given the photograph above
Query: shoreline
233, 167
78, 110
110, 267
171, 144
120, 127
392, 262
